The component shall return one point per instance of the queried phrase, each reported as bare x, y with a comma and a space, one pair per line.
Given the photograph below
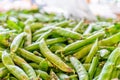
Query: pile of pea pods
36, 45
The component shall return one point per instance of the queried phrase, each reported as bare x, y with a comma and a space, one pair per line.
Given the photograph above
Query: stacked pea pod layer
42, 46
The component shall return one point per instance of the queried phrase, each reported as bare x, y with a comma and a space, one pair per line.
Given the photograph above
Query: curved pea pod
92, 52
55, 40
17, 72
30, 56
13, 69
6, 59
3, 72
80, 43
82, 52
43, 74
35, 45
36, 26
44, 35
25, 66
44, 29
110, 40
16, 42
78, 26
93, 67
67, 33
36, 36
53, 58
28, 40
62, 24
82, 73
109, 65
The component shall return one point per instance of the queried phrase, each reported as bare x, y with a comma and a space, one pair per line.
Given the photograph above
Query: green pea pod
44, 35
35, 45
78, 26
62, 23
82, 52
3, 72
92, 52
6, 59
17, 72
109, 65
67, 33
82, 73
25, 66
36, 36
27, 30
80, 43
110, 40
93, 67
44, 29
55, 40
16, 42
30, 56
13, 69
43, 65
42, 74
53, 58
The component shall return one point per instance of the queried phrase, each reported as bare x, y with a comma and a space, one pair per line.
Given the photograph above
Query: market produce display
46, 46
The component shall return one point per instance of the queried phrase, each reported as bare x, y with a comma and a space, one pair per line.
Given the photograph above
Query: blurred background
70, 8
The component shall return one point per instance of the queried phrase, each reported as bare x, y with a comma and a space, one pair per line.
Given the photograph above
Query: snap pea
30, 56
16, 42
35, 45
82, 73
93, 67
78, 26
110, 40
109, 65
53, 58
67, 33
63, 76
36, 37
25, 66
44, 35
82, 52
92, 52
80, 43
44, 29
12, 68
